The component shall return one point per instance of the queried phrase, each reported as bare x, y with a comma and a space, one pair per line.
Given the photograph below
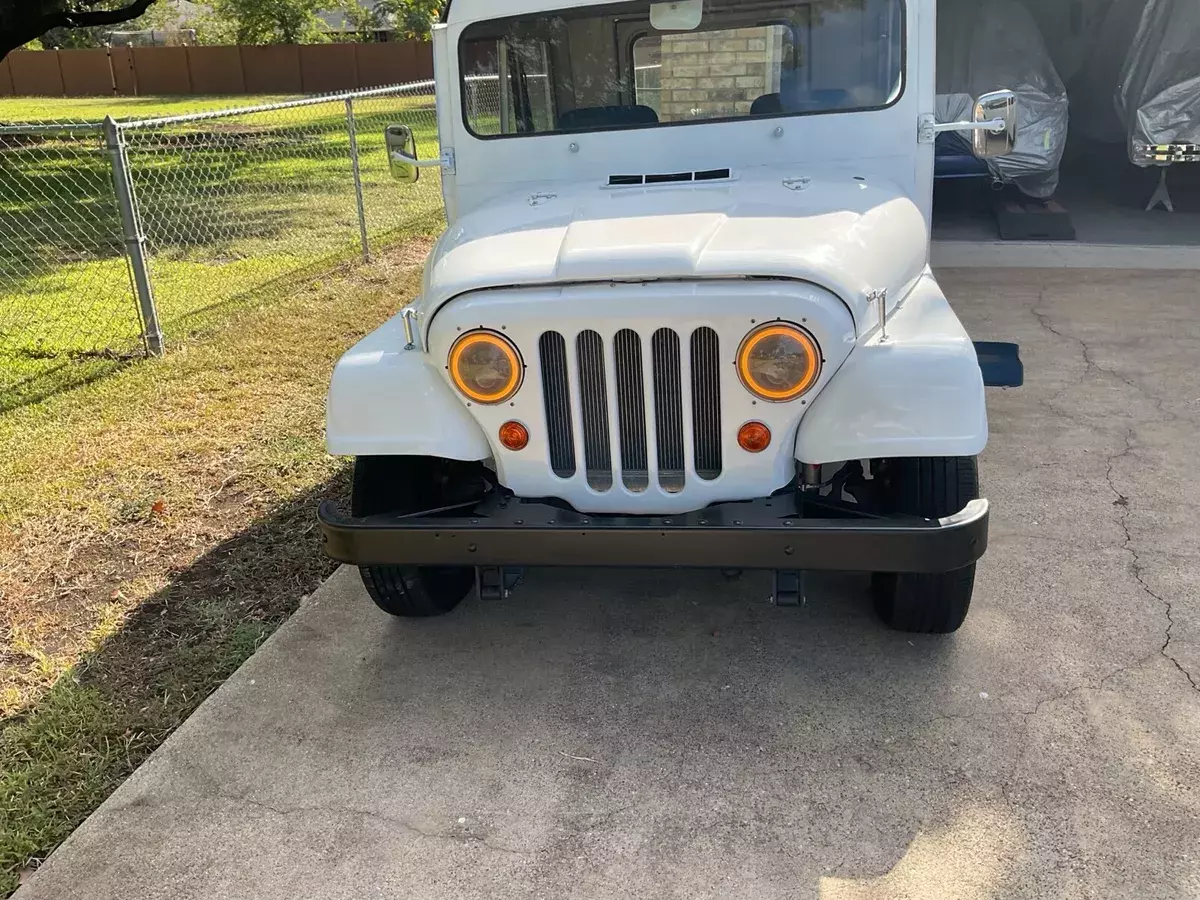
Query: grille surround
730, 307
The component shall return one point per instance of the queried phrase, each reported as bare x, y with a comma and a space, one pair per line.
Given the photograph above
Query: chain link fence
117, 238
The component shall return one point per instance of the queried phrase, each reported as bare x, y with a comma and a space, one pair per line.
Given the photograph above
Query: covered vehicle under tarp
997, 45
1158, 97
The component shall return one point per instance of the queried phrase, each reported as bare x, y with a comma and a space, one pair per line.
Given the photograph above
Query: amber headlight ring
486, 367
779, 362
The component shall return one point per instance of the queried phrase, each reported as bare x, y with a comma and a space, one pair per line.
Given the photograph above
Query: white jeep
682, 314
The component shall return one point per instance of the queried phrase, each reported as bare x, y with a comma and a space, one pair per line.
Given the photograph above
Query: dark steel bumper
762, 534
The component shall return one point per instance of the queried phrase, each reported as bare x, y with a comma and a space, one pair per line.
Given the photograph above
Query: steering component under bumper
776, 533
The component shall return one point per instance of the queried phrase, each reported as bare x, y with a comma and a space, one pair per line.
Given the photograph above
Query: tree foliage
409, 19
412, 19
85, 23
22, 21
265, 21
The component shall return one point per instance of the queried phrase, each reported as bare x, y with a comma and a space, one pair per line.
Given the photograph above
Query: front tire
408, 484
933, 488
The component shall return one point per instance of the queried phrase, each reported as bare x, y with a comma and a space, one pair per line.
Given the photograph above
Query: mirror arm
930, 127
446, 161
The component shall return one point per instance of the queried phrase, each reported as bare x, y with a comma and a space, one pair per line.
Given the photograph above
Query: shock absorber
810, 478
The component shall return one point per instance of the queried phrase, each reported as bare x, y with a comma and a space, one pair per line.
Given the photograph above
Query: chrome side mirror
997, 113
402, 153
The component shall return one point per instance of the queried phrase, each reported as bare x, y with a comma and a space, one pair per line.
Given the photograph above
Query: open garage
1110, 119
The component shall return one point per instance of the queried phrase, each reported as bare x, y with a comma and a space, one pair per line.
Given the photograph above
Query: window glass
599, 67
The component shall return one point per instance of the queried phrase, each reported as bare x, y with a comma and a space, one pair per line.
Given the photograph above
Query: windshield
602, 67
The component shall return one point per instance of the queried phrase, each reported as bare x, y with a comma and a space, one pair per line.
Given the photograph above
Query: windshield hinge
927, 129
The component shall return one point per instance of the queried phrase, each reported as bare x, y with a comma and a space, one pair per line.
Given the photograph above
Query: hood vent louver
668, 178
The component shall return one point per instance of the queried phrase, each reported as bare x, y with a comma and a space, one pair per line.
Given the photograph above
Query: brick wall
720, 73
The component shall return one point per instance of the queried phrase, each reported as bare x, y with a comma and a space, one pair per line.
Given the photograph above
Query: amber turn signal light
514, 435
754, 437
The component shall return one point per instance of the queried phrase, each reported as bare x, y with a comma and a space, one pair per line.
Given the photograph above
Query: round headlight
779, 362
485, 367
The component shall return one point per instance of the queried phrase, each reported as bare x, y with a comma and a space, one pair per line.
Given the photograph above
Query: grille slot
668, 410
593, 392
706, 403
557, 397
631, 406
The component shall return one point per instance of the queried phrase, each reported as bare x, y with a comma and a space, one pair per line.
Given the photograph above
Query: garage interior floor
1105, 195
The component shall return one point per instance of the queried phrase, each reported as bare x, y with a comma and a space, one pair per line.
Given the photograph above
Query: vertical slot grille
593, 392
631, 406
668, 409
706, 403
557, 396
618, 417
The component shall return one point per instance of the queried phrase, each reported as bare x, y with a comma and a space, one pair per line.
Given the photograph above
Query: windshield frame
463, 88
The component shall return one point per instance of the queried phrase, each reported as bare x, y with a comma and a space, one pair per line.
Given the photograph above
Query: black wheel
404, 484
931, 487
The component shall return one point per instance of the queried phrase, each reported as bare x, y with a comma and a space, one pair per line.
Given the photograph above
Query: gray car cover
1158, 97
997, 45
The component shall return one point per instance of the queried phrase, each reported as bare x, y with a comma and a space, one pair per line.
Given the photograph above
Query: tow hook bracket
789, 588
497, 583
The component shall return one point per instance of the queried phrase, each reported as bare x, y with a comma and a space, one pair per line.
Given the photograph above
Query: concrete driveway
651, 734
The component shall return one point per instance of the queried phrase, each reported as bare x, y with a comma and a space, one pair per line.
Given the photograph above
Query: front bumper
775, 533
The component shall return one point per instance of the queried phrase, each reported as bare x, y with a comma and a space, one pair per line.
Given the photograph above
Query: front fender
919, 393
388, 401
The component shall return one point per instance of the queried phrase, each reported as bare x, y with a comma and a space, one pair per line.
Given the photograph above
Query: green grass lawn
232, 208
92, 109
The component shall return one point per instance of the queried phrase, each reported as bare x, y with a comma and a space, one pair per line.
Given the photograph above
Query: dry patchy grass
155, 527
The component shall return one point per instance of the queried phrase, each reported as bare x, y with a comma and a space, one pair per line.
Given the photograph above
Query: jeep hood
849, 236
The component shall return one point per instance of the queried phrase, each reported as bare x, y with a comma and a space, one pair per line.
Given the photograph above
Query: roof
474, 10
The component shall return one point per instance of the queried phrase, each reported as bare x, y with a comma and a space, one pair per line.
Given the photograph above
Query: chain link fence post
352, 127
135, 240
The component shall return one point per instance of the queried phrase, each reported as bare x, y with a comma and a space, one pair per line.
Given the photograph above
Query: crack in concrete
1086, 686
217, 791
1088, 360
1090, 365
1137, 567
580, 824
462, 838
1122, 502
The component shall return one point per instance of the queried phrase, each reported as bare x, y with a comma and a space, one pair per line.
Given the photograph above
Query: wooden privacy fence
275, 69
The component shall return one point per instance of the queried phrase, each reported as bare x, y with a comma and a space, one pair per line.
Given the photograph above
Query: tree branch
96, 17
25, 22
